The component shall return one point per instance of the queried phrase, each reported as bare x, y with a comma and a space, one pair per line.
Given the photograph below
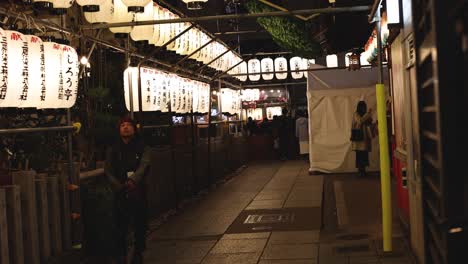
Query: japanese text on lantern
4, 84
43, 78
24, 55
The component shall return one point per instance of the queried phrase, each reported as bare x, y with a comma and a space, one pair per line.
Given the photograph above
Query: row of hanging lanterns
268, 68
120, 11
165, 92
35, 73
231, 101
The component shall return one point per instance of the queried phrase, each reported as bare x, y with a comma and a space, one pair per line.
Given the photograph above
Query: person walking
361, 136
127, 163
302, 134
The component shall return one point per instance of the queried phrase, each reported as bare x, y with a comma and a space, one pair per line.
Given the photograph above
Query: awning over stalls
332, 98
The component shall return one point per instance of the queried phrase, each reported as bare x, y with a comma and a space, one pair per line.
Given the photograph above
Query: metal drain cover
268, 218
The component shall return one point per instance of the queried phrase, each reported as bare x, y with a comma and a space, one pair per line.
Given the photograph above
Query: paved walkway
270, 214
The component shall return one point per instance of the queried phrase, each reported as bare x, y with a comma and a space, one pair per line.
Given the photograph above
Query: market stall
332, 98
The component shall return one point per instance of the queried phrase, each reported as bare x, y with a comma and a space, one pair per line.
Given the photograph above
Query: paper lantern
306, 63
158, 38
267, 66
281, 64
17, 71
60, 6
70, 71
143, 33
104, 15
332, 61
181, 42
90, 5
120, 14
254, 68
4, 101
173, 31
36, 76
273, 111
295, 66
195, 4
53, 75
137, 6
165, 92
131, 83
146, 78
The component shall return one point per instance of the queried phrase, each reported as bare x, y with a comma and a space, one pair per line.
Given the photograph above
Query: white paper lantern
254, 68
267, 66
4, 69
70, 71
281, 64
306, 64
136, 6
130, 82
332, 61
104, 15
120, 14
143, 33
90, 5
53, 75
17, 87
273, 111
181, 42
165, 93
173, 31
158, 33
62, 4
295, 66
36, 76
146, 78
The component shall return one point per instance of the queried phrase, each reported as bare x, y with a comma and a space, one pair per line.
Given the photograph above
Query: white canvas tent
332, 98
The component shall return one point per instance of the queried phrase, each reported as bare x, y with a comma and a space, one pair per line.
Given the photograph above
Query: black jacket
123, 158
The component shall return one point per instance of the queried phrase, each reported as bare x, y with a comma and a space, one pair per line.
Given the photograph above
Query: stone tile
294, 237
239, 246
238, 258
305, 195
295, 261
290, 204
264, 235
328, 256
271, 195
297, 251
396, 260
265, 204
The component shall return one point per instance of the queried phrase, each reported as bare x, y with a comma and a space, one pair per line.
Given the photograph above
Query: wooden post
54, 215
25, 179
43, 219
4, 254
15, 230
64, 201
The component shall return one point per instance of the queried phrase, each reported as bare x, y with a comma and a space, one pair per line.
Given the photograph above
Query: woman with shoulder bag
361, 137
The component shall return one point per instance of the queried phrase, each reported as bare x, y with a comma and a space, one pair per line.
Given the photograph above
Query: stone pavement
269, 214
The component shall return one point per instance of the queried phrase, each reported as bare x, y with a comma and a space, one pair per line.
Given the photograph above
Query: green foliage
292, 34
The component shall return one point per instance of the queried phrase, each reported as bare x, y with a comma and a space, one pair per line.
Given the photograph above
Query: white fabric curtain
332, 99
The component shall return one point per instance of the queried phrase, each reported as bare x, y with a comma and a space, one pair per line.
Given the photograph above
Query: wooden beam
4, 250
43, 219
15, 229
25, 180
54, 215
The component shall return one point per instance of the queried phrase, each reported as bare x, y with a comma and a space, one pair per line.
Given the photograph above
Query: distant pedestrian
302, 133
252, 127
361, 136
127, 163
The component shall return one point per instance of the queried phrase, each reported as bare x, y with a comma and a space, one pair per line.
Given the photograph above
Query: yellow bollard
384, 169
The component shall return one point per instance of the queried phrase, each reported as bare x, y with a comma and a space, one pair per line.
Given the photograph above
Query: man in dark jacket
127, 162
